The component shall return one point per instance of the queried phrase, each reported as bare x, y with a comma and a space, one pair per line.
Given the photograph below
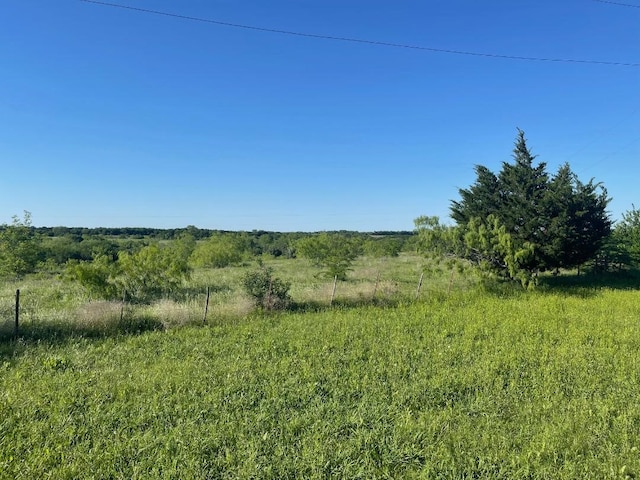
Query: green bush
383, 247
267, 291
97, 277
150, 273
219, 251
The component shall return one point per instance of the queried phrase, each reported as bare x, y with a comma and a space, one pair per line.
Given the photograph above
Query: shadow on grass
59, 333
588, 284
312, 306
188, 293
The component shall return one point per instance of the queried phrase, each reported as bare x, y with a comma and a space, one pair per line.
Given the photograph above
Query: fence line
30, 305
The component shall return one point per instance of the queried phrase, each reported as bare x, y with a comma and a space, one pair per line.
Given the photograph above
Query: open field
466, 385
51, 306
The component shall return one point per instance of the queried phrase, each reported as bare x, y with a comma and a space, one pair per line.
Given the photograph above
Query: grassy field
466, 384
52, 307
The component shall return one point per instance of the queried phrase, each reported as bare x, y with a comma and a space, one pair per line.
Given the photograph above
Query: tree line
26, 249
143, 270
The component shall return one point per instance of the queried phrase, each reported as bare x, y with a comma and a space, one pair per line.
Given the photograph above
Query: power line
596, 136
363, 41
618, 3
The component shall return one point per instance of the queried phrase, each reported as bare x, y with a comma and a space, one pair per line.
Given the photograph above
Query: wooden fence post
124, 297
419, 285
268, 305
16, 329
375, 289
206, 306
333, 293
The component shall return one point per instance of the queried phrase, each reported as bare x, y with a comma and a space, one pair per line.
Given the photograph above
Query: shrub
149, 274
267, 291
152, 273
218, 251
383, 247
97, 277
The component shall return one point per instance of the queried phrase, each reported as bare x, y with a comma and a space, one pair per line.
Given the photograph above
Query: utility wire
359, 40
618, 3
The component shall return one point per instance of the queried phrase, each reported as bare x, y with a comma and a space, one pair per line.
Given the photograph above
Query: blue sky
115, 117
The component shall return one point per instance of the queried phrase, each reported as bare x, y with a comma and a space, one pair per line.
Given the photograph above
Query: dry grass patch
98, 316
173, 314
239, 308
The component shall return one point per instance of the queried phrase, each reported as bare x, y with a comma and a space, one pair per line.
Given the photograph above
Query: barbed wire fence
27, 311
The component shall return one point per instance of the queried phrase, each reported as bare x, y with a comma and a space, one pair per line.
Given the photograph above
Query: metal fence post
16, 330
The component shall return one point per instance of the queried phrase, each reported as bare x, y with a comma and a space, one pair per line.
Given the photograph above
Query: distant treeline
26, 249
195, 232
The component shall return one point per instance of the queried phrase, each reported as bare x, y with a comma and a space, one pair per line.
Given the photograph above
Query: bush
383, 247
152, 273
219, 251
149, 274
96, 277
267, 291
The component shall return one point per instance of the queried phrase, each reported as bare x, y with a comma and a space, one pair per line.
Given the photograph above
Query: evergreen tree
480, 200
522, 221
589, 224
523, 187
629, 234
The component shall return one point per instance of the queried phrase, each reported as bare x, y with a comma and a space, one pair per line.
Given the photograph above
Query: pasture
463, 383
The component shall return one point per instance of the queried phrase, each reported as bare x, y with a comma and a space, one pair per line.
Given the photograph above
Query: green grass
52, 307
471, 385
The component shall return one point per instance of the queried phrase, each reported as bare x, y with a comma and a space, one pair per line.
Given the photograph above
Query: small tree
489, 246
623, 247
152, 272
267, 291
97, 276
19, 247
333, 252
183, 247
436, 240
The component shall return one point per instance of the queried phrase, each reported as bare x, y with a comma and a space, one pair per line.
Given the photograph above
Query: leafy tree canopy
333, 252
220, 250
146, 275
19, 247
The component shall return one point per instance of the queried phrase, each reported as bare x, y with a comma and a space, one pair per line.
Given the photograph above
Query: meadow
52, 307
464, 382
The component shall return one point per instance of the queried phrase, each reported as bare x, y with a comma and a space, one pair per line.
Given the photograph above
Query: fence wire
51, 310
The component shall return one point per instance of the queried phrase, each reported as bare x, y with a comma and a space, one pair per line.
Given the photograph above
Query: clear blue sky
114, 117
